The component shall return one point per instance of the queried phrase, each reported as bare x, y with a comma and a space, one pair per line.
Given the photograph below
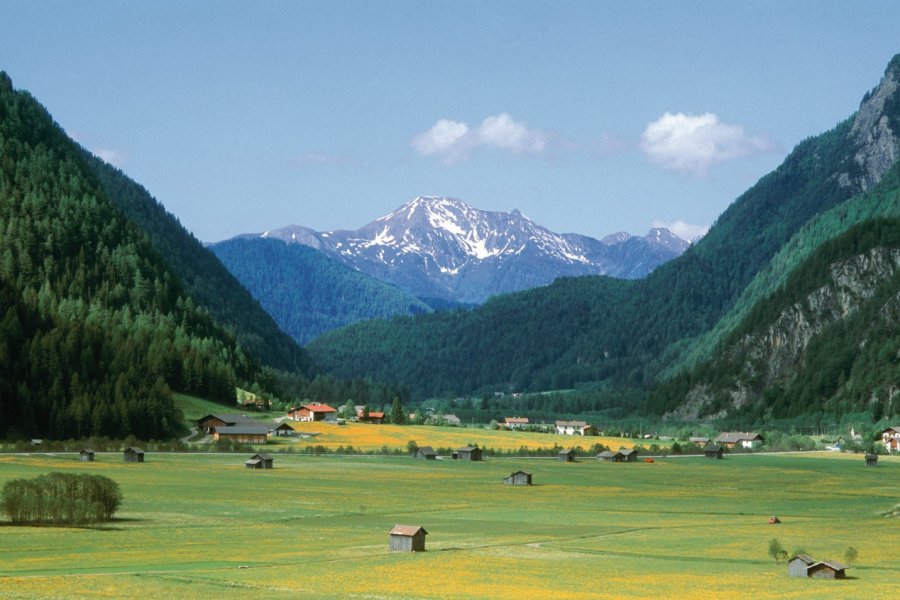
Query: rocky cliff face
773, 355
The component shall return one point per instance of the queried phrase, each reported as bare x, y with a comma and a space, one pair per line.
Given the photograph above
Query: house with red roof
312, 412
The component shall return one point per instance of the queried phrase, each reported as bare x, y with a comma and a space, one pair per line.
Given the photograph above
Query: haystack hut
713, 451
265, 461
610, 456
827, 569
426, 453
567, 455
284, 430
408, 538
798, 565
518, 478
628, 454
134, 454
86, 455
871, 460
469, 453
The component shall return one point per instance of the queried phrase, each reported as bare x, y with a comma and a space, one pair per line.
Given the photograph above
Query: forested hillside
204, 278
827, 341
628, 332
305, 291
94, 329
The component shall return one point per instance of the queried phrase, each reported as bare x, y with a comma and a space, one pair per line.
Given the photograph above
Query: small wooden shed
567, 455
518, 478
713, 451
260, 461
284, 429
628, 454
86, 455
610, 456
871, 460
468, 453
826, 569
134, 454
426, 453
408, 538
798, 565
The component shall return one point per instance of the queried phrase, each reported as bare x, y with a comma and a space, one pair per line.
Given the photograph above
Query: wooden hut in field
798, 565
134, 454
425, 453
408, 538
610, 456
468, 453
826, 569
260, 461
518, 478
628, 454
86, 455
284, 429
871, 460
713, 451
567, 455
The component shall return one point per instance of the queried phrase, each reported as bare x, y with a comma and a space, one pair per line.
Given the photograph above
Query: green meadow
201, 526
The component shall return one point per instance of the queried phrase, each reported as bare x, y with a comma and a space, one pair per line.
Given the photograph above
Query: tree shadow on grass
110, 525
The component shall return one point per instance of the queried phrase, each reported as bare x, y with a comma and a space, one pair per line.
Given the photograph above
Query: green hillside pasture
200, 526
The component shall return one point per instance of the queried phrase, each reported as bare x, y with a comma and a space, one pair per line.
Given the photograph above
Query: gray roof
571, 424
134, 449
833, 564
712, 448
244, 430
804, 557
733, 437
262, 456
468, 449
607, 454
426, 450
627, 451
407, 530
229, 418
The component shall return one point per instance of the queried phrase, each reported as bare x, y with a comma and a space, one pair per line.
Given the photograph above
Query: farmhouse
628, 454
244, 434
826, 569
374, 417
86, 455
516, 422
610, 456
408, 538
891, 438
283, 429
567, 455
518, 478
572, 428
468, 453
211, 422
798, 565
312, 412
713, 451
134, 454
732, 439
426, 453
259, 461
871, 460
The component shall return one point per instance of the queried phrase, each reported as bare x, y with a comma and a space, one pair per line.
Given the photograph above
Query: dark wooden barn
244, 434
871, 460
713, 451
426, 453
567, 455
628, 454
408, 538
284, 429
260, 461
468, 453
86, 455
518, 478
133, 454
798, 565
826, 569
610, 456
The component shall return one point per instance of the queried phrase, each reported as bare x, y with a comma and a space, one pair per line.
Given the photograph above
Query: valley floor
201, 525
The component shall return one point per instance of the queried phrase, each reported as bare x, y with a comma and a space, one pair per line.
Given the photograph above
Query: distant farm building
567, 455
408, 538
211, 422
516, 422
798, 565
610, 456
628, 454
312, 412
713, 451
827, 569
572, 428
451, 420
699, 440
891, 438
243, 434
260, 461
373, 417
518, 478
426, 453
744, 439
134, 454
468, 453
86, 455
284, 430
871, 460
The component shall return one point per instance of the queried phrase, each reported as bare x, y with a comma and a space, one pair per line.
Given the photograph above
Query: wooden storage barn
827, 569
86, 455
468, 453
798, 565
518, 478
245, 434
628, 454
713, 451
871, 460
408, 538
265, 461
567, 455
284, 429
211, 422
133, 454
426, 453
610, 456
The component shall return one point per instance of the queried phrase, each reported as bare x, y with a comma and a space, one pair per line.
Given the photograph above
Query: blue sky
590, 117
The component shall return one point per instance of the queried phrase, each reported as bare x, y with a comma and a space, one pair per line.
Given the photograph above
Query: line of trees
61, 499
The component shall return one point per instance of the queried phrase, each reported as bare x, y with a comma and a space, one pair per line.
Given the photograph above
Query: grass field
201, 526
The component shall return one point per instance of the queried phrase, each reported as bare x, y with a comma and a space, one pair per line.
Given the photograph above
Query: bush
61, 499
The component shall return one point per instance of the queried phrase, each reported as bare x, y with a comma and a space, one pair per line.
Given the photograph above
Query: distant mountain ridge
441, 247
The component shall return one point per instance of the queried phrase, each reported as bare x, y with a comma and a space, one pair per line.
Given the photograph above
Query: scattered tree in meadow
850, 555
776, 550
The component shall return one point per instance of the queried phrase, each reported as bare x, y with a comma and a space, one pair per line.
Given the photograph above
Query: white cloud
685, 231
116, 158
454, 140
694, 143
